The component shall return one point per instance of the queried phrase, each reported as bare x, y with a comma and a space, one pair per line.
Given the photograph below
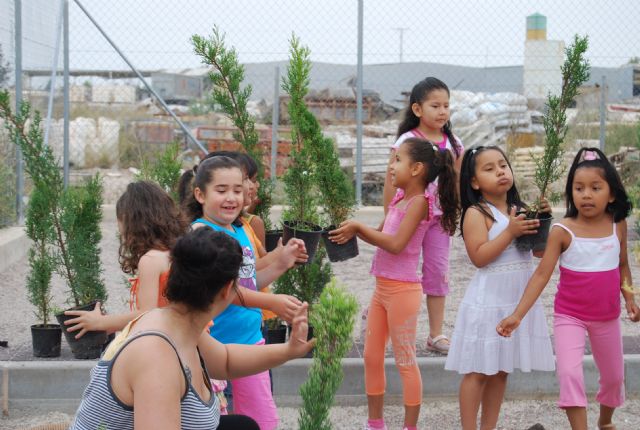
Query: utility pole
401, 30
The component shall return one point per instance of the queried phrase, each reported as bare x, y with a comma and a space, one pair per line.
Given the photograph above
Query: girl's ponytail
447, 190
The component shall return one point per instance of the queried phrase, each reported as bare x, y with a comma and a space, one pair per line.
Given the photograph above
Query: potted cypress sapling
46, 338
550, 165
227, 76
337, 196
72, 216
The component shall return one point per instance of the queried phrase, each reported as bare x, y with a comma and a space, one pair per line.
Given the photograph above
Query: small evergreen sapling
165, 171
227, 76
64, 224
550, 166
333, 318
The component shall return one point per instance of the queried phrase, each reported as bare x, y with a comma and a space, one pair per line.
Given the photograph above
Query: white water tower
542, 60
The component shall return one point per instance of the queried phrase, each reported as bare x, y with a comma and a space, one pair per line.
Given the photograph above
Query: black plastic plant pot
339, 251
89, 346
271, 239
276, 335
309, 233
46, 340
536, 242
309, 337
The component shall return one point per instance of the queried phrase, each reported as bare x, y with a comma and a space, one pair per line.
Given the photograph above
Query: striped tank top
100, 408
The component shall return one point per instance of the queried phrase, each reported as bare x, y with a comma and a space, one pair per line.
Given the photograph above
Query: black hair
203, 261
247, 165
419, 94
439, 164
621, 207
472, 198
202, 175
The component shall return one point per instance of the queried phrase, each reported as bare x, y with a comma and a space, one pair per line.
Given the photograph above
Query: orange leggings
393, 312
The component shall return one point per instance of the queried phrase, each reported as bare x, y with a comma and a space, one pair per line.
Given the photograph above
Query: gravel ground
441, 415
16, 315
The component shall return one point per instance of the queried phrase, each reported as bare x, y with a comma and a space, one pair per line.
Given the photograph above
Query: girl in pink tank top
396, 301
591, 245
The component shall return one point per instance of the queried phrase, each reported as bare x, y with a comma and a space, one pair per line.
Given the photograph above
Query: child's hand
519, 226
507, 326
85, 321
293, 252
545, 207
285, 306
345, 232
298, 344
633, 310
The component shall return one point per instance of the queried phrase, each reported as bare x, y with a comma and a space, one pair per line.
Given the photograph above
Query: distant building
542, 60
180, 86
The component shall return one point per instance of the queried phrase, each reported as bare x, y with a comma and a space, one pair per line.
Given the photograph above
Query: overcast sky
155, 33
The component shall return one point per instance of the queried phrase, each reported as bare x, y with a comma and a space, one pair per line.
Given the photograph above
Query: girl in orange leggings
396, 301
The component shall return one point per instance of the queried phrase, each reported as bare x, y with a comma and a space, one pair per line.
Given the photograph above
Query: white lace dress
493, 293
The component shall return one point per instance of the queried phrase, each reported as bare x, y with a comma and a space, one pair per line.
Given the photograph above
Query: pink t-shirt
404, 265
589, 287
444, 143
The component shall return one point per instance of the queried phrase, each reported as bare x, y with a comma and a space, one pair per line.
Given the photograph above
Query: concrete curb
60, 384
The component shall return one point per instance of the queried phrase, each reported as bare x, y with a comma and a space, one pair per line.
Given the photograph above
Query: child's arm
234, 361
95, 320
293, 252
625, 274
388, 190
283, 305
267, 258
150, 267
395, 244
258, 227
558, 240
483, 251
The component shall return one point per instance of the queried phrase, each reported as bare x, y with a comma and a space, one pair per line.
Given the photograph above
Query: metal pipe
143, 80
18, 68
65, 92
359, 79
275, 119
54, 74
603, 112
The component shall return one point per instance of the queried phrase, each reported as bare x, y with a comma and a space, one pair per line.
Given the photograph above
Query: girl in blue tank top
217, 203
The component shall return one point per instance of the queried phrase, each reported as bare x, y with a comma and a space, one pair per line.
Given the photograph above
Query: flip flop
438, 344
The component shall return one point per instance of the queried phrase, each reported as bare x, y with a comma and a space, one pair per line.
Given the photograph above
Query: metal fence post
603, 112
18, 71
54, 74
65, 80
359, 79
275, 119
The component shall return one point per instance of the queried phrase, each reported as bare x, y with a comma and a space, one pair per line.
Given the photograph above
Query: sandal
438, 344
610, 426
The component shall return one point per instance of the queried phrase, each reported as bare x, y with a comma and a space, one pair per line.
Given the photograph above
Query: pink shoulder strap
429, 199
567, 229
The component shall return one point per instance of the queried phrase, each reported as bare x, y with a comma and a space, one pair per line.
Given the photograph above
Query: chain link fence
499, 58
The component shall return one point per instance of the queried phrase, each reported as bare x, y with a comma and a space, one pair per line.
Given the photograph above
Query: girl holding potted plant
427, 117
395, 304
591, 245
217, 203
149, 223
489, 227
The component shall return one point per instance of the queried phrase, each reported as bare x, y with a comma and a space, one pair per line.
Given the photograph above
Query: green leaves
227, 76
333, 318
63, 224
550, 166
165, 171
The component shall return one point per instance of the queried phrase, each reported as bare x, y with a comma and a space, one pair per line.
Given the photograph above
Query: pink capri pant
435, 259
606, 345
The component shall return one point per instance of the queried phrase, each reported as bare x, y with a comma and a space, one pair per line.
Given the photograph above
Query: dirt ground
16, 315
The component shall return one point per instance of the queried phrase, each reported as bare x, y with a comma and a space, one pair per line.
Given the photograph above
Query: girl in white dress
489, 226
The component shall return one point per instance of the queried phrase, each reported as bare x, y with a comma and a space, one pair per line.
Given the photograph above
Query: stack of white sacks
489, 118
